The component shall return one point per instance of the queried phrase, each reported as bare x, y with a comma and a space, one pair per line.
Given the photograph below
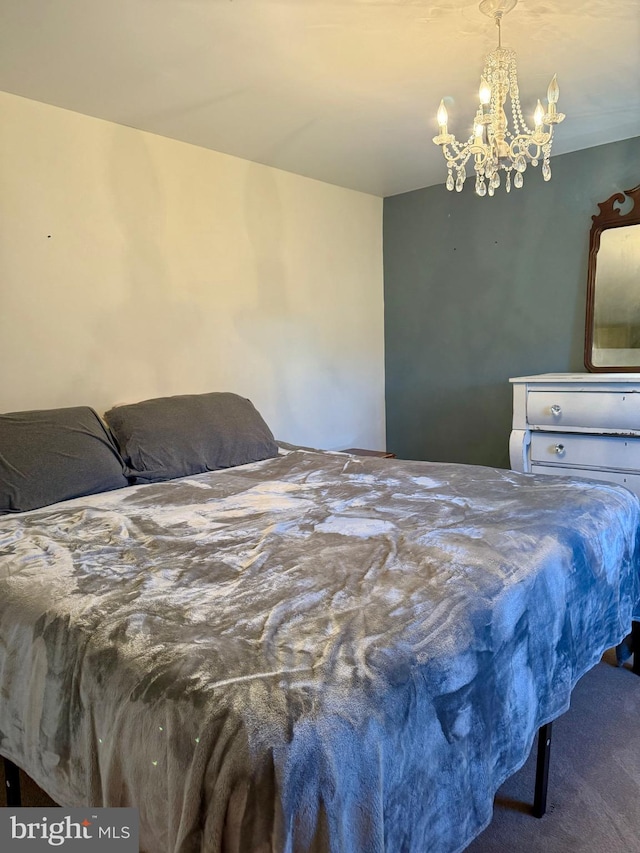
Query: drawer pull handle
559, 448
556, 410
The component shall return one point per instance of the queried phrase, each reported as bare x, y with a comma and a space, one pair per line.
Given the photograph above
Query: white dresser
579, 425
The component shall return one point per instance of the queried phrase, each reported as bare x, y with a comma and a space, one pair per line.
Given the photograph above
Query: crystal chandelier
493, 146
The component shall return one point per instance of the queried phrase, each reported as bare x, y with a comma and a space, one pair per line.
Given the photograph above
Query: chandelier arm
528, 142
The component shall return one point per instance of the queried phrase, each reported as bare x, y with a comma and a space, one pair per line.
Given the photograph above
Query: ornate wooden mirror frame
610, 216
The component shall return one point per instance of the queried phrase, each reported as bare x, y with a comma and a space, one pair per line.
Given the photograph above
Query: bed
309, 651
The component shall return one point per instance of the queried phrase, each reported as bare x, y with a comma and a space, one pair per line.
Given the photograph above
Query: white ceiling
340, 90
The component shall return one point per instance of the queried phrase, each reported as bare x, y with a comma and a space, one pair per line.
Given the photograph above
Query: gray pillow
53, 455
176, 436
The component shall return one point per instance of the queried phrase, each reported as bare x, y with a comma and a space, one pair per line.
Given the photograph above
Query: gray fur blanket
312, 653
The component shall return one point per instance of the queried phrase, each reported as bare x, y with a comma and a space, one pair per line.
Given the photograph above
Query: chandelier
493, 146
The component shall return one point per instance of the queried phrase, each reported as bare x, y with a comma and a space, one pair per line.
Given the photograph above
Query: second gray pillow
170, 437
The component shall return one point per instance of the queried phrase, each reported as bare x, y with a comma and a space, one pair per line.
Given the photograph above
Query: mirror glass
616, 320
612, 333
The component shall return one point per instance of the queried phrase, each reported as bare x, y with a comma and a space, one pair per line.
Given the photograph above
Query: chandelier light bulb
499, 144
442, 115
538, 116
485, 92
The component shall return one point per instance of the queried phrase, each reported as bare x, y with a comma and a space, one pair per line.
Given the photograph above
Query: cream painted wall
134, 266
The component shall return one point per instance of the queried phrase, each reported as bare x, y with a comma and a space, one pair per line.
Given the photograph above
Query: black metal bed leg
635, 645
12, 783
542, 770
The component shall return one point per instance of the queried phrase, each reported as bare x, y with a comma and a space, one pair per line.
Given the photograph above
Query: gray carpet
594, 781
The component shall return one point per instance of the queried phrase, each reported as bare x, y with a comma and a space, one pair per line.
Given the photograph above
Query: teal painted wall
481, 289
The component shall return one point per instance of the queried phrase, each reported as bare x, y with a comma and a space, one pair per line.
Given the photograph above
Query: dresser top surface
587, 378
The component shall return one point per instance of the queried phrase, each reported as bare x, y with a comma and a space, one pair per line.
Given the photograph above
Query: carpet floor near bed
594, 781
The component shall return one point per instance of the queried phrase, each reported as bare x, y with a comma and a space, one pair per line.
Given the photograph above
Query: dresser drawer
630, 481
592, 451
584, 409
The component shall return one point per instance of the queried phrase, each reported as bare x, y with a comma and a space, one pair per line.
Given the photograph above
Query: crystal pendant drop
481, 188
534, 162
507, 183
449, 181
546, 170
459, 183
520, 164
495, 180
518, 180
